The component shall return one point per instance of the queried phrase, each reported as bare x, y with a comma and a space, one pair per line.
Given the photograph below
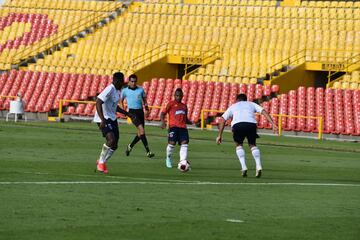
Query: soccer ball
184, 166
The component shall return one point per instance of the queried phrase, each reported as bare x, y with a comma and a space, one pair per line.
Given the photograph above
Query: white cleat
258, 173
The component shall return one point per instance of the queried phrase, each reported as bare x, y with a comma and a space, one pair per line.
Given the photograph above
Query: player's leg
111, 133
172, 139
136, 139
184, 143
141, 134
239, 137
255, 151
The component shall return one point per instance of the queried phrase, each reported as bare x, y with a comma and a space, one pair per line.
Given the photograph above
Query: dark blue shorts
111, 126
244, 130
178, 135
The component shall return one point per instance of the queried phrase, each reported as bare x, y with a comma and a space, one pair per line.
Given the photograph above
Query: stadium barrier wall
280, 116
62, 101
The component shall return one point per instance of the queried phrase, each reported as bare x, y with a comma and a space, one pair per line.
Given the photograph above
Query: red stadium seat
225, 97
154, 113
152, 91
210, 86
329, 122
292, 111
310, 110
193, 87
215, 103
283, 109
264, 123
301, 108
233, 93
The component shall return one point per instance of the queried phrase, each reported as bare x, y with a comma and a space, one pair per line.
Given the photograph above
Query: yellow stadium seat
214, 78
354, 86
345, 85
207, 78
355, 76
337, 85
192, 77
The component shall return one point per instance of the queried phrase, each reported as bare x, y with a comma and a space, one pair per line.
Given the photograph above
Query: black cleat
244, 173
258, 173
128, 150
150, 155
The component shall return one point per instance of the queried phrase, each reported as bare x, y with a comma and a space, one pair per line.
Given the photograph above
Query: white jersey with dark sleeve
110, 96
243, 111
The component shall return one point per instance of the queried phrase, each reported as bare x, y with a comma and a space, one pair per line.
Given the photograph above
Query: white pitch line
99, 175
178, 183
234, 220
151, 181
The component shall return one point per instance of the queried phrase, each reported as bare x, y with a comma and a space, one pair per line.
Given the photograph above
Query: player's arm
227, 114
146, 106
162, 119
269, 118
100, 112
163, 115
126, 113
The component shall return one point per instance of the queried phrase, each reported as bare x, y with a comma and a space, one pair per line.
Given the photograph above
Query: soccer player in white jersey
243, 125
105, 117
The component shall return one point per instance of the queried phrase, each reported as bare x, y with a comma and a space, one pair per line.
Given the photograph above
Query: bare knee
141, 130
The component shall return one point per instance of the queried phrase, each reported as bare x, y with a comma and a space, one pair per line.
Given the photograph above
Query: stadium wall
294, 78
158, 69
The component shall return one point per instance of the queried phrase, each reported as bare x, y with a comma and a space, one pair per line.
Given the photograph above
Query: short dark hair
241, 97
133, 76
179, 90
118, 76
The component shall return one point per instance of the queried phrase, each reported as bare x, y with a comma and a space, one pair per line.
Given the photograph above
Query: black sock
145, 142
136, 139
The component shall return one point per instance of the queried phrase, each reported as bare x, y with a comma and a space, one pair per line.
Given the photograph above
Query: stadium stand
30, 27
253, 36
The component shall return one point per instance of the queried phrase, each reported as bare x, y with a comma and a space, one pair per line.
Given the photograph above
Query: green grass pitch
310, 189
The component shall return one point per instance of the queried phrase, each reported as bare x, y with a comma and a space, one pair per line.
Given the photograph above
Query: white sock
109, 154
103, 153
256, 154
241, 155
169, 151
183, 152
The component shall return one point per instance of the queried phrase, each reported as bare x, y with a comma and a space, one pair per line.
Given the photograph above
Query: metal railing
163, 50
148, 57
306, 55
62, 101
209, 54
297, 57
351, 61
66, 33
4, 96
280, 116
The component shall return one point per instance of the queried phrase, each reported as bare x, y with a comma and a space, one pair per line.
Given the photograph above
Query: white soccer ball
184, 166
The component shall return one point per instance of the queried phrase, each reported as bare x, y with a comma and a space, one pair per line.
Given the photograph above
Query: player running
243, 125
178, 132
105, 117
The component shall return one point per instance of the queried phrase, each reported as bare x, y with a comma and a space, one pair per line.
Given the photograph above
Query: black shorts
245, 129
140, 117
110, 126
178, 135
